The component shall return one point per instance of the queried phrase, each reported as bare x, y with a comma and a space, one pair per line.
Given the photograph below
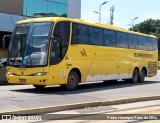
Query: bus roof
107, 26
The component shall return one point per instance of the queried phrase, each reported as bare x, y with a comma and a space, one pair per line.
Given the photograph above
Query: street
16, 97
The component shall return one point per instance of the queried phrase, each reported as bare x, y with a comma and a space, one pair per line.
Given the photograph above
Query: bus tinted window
133, 43
149, 44
95, 36
79, 34
60, 42
110, 38
155, 44
122, 40
142, 41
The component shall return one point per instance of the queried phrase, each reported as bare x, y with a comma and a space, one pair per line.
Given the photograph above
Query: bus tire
135, 76
72, 81
142, 75
39, 87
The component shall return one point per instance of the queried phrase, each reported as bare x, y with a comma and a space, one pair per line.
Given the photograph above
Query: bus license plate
22, 80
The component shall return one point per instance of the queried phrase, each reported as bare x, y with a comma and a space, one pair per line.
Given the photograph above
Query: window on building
45, 8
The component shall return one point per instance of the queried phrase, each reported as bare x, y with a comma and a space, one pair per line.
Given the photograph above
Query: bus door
59, 47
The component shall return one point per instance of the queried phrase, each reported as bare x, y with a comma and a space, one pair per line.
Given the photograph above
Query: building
12, 11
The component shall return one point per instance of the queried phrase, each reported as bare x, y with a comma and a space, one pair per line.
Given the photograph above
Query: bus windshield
29, 45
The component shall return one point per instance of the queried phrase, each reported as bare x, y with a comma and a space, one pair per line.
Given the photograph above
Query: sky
125, 11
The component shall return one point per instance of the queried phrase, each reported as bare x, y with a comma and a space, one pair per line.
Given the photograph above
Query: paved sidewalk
149, 107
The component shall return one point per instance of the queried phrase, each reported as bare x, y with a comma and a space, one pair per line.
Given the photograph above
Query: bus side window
79, 34
133, 41
149, 44
110, 38
122, 40
155, 44
60, 42
75, 34
55, 52
142, 41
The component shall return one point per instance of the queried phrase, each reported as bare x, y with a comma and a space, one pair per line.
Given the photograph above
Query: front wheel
39, 87
72, 81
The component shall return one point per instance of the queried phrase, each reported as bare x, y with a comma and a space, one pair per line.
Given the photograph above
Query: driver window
60, 42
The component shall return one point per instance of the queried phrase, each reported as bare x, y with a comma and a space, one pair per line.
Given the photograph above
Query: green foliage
149, 26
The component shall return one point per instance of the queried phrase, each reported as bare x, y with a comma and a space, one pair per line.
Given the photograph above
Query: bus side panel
73, 64
94, 70
57, 73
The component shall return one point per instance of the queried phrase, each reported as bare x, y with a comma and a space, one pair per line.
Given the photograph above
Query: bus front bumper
34, 80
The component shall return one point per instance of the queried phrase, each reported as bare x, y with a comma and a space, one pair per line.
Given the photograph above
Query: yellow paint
90, 60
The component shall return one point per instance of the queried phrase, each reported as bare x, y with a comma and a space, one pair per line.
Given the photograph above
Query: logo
83, 52
22, 73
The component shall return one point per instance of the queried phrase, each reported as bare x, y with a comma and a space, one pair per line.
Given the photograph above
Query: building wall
74, 8
53, 7
11, 7
71, 8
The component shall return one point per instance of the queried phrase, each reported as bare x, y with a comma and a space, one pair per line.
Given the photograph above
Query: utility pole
111, 15
100, 10
99, 13
133, 21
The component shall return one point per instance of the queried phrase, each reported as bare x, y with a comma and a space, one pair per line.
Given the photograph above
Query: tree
149, 26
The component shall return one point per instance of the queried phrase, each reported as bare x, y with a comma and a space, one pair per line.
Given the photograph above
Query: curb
57, 108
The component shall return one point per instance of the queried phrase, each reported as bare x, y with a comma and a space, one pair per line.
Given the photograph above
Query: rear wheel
142, 75
72, 82
135, 76
39, 87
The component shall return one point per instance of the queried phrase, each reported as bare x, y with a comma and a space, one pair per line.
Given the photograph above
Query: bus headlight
40, 74
9, 73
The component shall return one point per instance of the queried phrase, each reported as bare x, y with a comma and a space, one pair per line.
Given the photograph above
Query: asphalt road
15, 97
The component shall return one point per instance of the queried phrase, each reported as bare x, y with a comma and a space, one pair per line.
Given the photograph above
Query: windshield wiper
29, 53
16, 56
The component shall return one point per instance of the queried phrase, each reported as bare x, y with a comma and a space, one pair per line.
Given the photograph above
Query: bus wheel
142, 75
135, 76
72, 82
39, 87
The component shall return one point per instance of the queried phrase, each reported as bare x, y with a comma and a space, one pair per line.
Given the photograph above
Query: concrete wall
11, 7
74, 8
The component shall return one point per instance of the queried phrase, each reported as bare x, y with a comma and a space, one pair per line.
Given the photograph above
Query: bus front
28, 53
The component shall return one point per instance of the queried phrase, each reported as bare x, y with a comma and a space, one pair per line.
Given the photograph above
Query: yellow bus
64, 51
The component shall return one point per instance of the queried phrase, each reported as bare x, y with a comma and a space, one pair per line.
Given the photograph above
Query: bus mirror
5, 38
